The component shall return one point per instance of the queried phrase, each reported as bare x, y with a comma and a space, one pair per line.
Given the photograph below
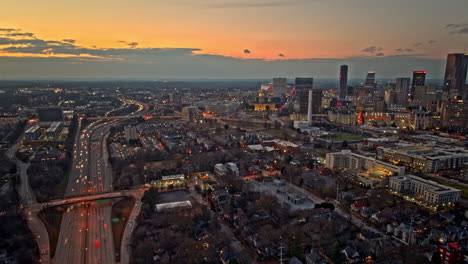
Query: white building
429, 191
232, 168
220, 170
33, 132
54, 130
348, 160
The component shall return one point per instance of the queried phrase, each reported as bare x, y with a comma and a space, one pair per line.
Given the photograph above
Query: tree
436, 259
344, 144
268, 203
296, 249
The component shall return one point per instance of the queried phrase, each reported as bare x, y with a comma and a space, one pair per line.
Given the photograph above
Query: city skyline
228, 39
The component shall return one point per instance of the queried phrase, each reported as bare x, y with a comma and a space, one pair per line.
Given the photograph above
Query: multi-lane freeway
86, 233
86, 230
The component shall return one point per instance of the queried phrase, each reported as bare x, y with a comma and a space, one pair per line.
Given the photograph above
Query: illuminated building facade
425, 190
425, 159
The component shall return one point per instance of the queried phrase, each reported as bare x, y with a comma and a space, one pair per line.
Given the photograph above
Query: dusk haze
234, 132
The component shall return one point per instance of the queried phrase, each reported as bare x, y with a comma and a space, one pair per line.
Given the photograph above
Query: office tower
419, 79
343, 81
455, 76
317, 95
50, 114
370, 79
279, 86
303, 85
454, 107
130, 133
309, 108
389, 97
402, 89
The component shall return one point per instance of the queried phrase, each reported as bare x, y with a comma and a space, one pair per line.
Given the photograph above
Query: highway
86, 233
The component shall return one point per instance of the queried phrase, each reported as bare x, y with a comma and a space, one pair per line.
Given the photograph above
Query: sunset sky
227, 38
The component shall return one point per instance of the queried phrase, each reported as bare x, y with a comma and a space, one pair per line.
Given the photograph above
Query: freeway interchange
86, 230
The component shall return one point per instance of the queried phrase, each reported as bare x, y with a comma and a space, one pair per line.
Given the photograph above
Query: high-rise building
279, 86
370, 79
389, 97
454, 105
343, 81
419, 79
303, 85
317, 95
402, 90
455, 77
130, 133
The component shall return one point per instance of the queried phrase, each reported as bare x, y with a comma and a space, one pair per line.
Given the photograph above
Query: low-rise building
428, 191
424, 158
54, 130
33, 132
232, 168
220, 170
367, 170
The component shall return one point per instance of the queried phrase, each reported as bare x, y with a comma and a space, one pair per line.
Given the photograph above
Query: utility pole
281, 251
337, 195
410, 232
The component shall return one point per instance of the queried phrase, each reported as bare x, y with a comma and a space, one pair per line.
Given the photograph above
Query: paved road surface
28, 198
86, 233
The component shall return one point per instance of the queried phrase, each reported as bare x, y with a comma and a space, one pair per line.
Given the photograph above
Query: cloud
131, 44
281, 55
67, 47
404, 50
8, 29
71, 41
460, 28
372, 49
69, 60
255, 5
20, 34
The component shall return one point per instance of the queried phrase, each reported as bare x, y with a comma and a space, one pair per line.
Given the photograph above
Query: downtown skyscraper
454, 106
402, 90
370, 79
303, 85
419, 79
343, 82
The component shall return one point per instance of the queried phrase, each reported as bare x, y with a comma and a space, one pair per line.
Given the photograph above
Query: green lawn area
120, 210
52, 220
277, 133
460, 187
346, 136
244, 124
323, 151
